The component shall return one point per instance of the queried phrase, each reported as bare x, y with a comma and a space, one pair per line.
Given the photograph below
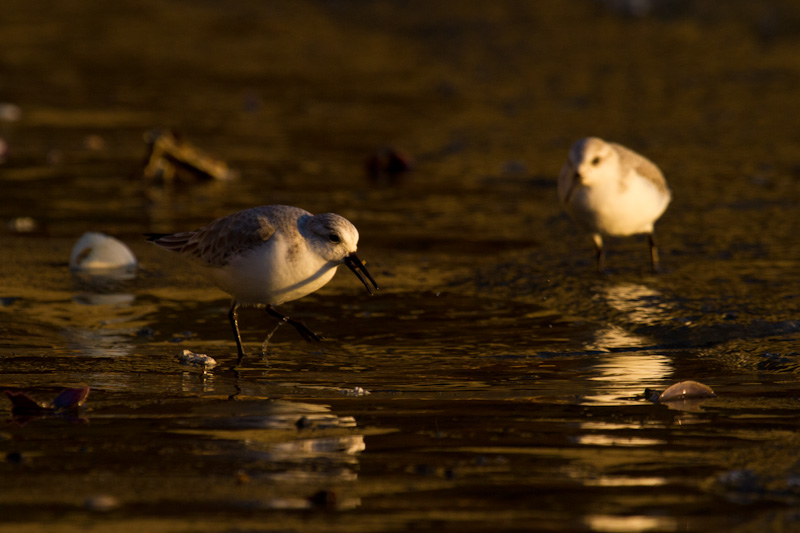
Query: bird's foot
304, 330
307, 334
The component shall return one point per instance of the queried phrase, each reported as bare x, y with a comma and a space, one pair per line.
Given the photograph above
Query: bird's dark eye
333, 237
596, 161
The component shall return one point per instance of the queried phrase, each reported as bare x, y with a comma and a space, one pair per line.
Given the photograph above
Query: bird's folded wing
643, 166
216, 243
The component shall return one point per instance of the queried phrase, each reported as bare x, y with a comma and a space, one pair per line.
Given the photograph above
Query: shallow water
496, 381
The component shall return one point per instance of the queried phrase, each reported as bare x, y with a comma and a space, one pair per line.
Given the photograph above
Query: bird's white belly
271, 275
615, 213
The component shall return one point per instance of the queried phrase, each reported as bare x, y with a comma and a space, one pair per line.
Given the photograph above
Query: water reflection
107, 318
73, 417
623, 374
638, 304
630, 524
339, 452
350, 445
642, 305
118, 299
101, 342
615, 441
289, 442
623, 481
197, 381
612, 337
325, 499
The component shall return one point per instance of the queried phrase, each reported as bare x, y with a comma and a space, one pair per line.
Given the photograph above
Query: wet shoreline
496, 381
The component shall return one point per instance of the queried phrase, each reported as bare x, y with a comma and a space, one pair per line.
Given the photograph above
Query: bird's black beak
354, 263
576, 181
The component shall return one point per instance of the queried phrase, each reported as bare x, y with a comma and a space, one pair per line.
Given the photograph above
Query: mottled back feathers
216, 243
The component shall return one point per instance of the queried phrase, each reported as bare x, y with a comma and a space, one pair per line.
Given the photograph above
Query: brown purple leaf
22, 402
70, 398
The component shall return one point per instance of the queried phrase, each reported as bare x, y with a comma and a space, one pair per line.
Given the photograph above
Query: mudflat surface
496, 381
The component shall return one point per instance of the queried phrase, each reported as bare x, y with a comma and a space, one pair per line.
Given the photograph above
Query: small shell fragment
22, 224
355, 391
101, 503
187, 357
99, 252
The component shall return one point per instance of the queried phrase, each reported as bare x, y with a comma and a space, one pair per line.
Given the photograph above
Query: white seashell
96, 251
686, 390
187, 357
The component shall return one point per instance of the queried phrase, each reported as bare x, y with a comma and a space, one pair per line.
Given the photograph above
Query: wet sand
496, 381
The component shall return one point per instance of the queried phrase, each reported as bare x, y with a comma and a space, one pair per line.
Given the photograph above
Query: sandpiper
268, 255
610, 190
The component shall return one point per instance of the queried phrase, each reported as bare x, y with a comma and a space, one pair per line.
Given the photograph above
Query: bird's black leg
301, 328
233, 317
653, 252
599, 253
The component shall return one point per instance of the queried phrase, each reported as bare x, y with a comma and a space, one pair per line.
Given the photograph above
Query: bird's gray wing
216, 243
643, 166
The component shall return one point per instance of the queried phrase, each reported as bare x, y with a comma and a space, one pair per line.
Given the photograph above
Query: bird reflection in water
633, 363
291, 443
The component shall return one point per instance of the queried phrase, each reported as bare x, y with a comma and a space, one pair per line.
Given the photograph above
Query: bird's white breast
616, 209
280, 270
